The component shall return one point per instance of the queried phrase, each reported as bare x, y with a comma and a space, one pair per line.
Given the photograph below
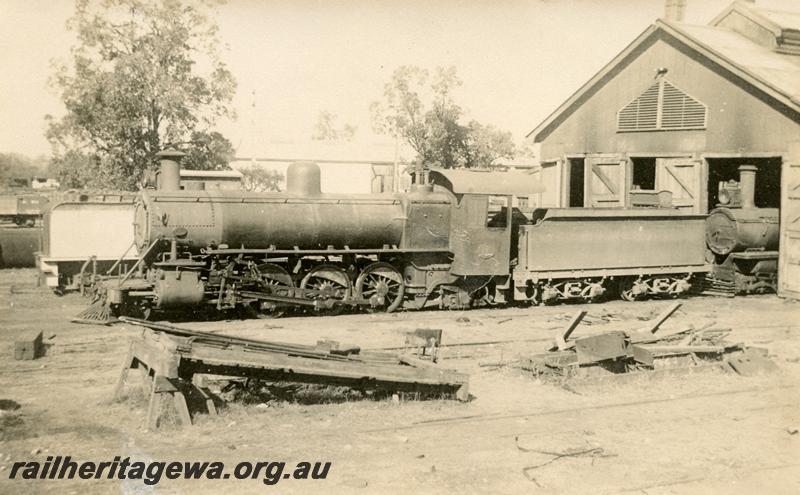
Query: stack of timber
171, 356
644, 349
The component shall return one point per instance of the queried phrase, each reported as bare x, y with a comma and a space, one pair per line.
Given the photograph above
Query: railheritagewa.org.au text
152, 472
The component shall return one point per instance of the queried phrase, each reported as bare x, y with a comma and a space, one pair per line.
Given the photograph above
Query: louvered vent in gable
681, 111
642, 113
662, 107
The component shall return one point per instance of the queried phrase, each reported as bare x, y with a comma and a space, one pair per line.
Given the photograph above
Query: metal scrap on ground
172, 356
644, 349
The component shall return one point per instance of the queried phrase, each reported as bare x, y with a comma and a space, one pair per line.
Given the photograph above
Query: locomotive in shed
440, 244
742, 240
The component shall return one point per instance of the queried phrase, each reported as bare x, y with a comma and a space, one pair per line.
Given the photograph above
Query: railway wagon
440, 244
83, 236
22, 208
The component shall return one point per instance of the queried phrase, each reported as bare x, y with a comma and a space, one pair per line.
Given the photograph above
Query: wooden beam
604, 178
652, 327
596, 348
562, 336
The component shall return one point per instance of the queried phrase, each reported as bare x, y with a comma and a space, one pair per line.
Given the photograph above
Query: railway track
484, 418
549, 339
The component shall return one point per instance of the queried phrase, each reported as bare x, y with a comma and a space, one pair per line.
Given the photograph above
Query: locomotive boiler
743, 239
456, 239
301, 218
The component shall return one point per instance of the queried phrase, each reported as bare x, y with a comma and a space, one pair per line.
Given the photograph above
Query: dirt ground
701, 432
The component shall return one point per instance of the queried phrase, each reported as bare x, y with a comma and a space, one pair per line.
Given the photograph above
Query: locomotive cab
481, 239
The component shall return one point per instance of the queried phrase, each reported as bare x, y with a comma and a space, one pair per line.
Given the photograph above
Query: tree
486, 144
325, 129
401, 112
208, 151
135, 87
16, 166
76, 169
258, 179
428, 119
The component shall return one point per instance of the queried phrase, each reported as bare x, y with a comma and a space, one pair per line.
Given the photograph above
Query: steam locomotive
742, 240
456, 239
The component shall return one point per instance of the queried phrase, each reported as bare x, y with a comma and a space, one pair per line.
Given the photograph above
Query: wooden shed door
789, 263
605, 183
683, 178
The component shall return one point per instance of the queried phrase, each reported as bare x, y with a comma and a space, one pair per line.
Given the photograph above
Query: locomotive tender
441, 244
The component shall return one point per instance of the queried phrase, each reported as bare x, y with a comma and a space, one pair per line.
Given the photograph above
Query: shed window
662, 107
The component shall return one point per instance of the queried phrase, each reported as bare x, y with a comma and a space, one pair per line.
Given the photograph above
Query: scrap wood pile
645, 348
172, 356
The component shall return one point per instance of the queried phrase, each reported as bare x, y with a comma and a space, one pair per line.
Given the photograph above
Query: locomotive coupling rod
283, 299
316, 303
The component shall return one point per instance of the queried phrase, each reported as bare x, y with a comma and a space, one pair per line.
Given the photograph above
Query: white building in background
44, 183
347, 167
353, 167
211, 179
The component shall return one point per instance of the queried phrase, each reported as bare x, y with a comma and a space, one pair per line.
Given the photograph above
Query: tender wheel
627, 291
383, 282
331, 282
273, 277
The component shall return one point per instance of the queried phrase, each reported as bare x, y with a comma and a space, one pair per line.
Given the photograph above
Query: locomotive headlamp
724, 198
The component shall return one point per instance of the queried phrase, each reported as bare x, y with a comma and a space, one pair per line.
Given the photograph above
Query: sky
518, 60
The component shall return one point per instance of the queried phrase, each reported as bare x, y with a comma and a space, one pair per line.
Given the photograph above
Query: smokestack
169, 176
747, 182
674, 10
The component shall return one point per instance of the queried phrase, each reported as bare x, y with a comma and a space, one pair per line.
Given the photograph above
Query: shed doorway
576, 176
768, 179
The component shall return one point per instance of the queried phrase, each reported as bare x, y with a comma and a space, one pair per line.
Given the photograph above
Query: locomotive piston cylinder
179, 289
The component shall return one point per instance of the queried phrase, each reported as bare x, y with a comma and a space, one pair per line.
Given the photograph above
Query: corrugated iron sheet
780, 71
